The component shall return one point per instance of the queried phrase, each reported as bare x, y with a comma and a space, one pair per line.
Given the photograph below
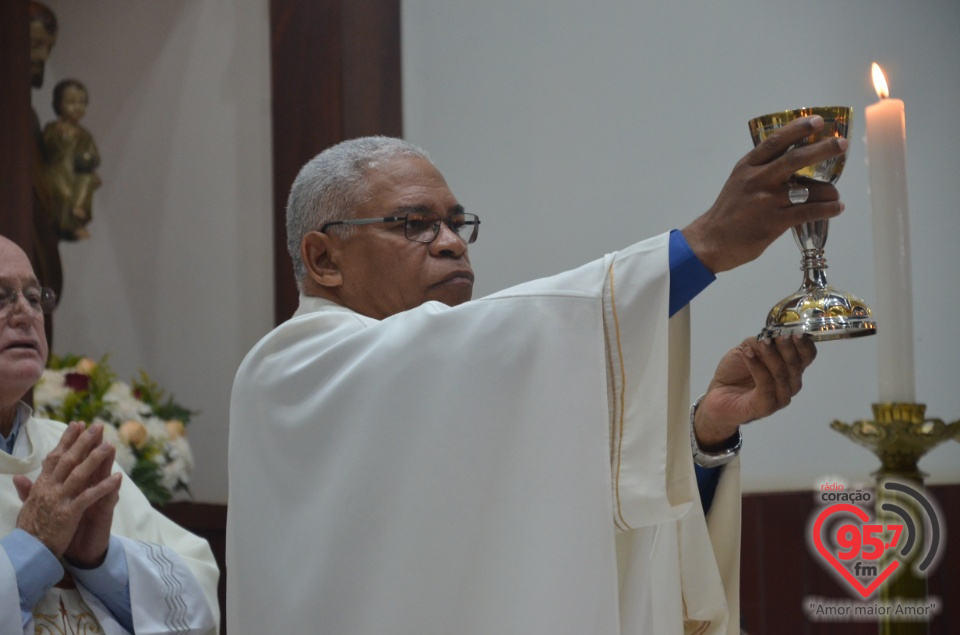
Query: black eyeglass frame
469, 219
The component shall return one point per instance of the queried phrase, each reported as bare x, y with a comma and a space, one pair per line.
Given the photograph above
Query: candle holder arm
900, 435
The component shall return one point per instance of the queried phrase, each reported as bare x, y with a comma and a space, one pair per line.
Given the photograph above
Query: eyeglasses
39, 301
423, 227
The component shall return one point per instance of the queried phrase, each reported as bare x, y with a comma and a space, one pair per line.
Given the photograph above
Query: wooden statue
72, 159
45, 252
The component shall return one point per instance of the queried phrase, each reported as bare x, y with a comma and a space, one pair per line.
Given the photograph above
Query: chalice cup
816, 309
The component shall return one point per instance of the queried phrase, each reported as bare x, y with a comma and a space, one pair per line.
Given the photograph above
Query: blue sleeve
707, 479
110, 582
688, 276
37, 569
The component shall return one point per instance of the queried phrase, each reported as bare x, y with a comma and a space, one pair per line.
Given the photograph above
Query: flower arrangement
147, 428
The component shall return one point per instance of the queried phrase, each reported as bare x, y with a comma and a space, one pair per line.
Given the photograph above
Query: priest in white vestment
80, 550
404, 460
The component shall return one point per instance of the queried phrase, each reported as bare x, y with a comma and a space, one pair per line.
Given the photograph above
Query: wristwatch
721, 456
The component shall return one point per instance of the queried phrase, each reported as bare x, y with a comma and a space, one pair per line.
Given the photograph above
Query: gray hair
333, 184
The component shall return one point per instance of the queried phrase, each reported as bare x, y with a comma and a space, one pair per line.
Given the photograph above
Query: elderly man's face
383, 272
23, 345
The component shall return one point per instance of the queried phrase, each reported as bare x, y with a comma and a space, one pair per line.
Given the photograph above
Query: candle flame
880, 82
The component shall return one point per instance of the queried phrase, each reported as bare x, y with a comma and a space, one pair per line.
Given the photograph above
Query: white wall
177, 277
575, 128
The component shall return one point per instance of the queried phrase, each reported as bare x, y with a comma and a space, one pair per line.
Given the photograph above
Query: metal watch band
712, 459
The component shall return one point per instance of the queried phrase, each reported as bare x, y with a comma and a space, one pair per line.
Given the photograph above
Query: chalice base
823, 313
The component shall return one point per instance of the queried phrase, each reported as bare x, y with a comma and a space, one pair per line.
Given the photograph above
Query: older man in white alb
78, 552
404, 459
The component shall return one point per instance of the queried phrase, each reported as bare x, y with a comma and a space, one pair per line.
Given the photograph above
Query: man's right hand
71, 480
754, 206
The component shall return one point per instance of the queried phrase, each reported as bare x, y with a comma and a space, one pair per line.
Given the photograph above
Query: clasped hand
752, 381
69, 508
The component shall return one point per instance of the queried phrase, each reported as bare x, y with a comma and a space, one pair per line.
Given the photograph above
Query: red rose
77, 381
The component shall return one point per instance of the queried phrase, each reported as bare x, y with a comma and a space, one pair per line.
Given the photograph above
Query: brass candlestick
900, 436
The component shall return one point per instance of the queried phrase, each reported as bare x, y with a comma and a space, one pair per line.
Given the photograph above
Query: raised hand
75, 479
754, 207
752, 381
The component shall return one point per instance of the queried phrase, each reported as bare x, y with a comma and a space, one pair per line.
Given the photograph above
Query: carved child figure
73, 159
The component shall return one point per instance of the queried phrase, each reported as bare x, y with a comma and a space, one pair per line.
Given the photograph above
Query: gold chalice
816, 309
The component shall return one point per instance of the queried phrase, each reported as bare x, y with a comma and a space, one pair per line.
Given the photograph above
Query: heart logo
865, 591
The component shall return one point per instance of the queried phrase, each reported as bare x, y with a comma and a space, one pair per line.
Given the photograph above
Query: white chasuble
172, 573
518, 464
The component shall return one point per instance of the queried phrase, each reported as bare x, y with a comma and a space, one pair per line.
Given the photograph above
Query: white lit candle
887, 163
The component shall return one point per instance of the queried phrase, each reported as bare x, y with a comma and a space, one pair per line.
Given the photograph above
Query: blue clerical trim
688, 276
707, 479
37, 569
110, 582
7, 442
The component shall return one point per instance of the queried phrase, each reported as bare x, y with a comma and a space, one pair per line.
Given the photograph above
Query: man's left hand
753, 380
88, 549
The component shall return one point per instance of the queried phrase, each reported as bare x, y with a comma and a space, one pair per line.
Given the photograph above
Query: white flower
50, 391
122, 402
180, 451
157, 430
180, 464
124, 455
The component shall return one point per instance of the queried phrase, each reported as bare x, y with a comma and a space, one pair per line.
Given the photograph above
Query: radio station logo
865, 552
